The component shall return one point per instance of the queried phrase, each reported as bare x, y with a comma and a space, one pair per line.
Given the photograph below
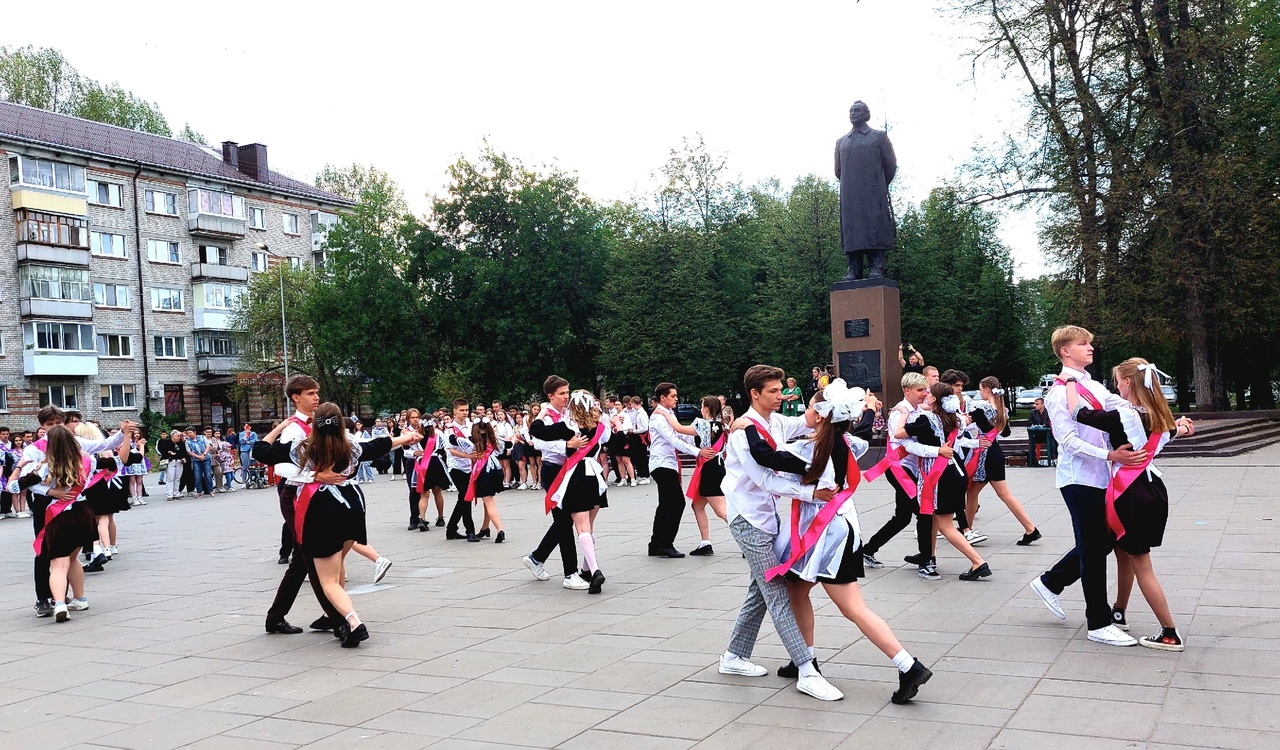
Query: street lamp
284, 331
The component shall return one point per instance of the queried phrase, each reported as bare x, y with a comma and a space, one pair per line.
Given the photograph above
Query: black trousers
641, 463
560, 533
299, 568
287, 544
6, 501
666, 517
38, 504
413, 497
397, 460
905, 506
1087, 561
462, 508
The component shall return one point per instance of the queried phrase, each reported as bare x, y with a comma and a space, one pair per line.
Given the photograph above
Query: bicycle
252, 478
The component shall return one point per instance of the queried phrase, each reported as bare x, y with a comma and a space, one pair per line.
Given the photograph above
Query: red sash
971, 465
305, 426
69, 498
928, 492
477, 466
801, 544
424, 463
301, 502
892, 461
1122, 480
1084, 393
764, 433
692, 492
571, 463
555, 415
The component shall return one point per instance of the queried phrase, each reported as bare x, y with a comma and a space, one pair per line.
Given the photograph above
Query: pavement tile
736, 736
1056, 714
540, 725
911, 734
175, 730
594, 739
285, 731
675, 717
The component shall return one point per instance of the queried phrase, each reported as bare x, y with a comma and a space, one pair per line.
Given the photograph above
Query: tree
189, 135
115, 106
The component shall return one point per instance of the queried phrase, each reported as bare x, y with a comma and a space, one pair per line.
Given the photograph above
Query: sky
602, 89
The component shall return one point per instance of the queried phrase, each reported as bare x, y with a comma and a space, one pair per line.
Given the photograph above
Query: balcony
212, 318
217, 227
209, 364
59, 363
68, 256
35, 199
55, 308
219, 272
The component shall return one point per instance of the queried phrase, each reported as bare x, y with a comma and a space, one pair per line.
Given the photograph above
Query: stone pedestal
866, 328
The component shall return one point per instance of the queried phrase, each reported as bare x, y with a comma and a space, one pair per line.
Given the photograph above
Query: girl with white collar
987, 466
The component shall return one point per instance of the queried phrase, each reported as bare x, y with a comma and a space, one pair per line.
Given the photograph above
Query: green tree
189, 135
115, 106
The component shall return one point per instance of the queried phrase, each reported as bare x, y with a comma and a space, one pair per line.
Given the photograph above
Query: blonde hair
912, 380
89, 431
1066, 336
586, 420
1150, 399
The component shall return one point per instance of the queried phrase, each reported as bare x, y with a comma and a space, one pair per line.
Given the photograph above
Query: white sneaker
973, 536
644, 480
1112, 636
633, 483
380, 568
78, 605
113, 550
60, 612
522, 486
575, 583
142, 501
818, 687
24, 514
733, 664
539, 573
1050, 599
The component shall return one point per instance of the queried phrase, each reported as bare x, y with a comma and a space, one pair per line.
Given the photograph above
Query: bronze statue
865, 165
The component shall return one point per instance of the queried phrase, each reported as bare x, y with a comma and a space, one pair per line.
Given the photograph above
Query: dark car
686, 413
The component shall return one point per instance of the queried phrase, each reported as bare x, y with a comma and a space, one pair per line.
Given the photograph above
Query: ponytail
992, 383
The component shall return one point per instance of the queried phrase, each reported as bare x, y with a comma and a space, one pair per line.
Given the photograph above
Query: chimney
230, 154
253, 161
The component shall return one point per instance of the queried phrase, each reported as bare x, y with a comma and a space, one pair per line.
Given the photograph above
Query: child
1137, 501
488, 477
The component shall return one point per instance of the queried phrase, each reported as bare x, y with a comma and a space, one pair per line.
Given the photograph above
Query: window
59, 337
4, 398
217, 346
104, 193
258, 218
218, 296
259, 261
214, 202
106, 245
111, 295
290, 222
213, 255
295, 263
163, 251
172, 399
161, 203
117, 396
171, 347
46, 174
115, 345
54, 282
166, 299
61, 396
51, 229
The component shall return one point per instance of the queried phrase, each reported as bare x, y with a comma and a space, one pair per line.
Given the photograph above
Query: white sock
807, 669
903, 661
810, 652
97, 548
588, 550
704, 543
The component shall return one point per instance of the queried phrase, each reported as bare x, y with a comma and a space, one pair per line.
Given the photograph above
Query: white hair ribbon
840, 402
951, 403
584, 400
997, 391
1147, 369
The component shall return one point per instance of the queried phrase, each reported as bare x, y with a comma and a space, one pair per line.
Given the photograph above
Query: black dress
1144, 507
583, 492
437, 475
927, 430
710, 482
73, 528
991, 463
108, 497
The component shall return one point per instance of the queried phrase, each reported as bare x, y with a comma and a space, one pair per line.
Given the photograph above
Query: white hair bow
1147, 369
840, 402
951, 403
997, 391
583, 399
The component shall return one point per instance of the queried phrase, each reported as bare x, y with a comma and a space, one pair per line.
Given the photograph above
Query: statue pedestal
866, 329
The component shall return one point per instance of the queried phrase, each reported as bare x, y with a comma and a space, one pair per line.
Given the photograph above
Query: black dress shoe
450, 534
703, 551
500, 538
284, 560
439, 520
909, 682
1027, 539
282, 627
472, 538
322, 623
916, 560
353, 637
792, 672
670, 552
424, 526
483, 534
982, 571
597, 583
413, 524
96, 566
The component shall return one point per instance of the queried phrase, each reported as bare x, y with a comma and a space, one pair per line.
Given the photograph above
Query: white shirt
553, 451
291, 433
32, 455
752, 491
915, 450
664, 441
641, 420
1082, 450
504, 430
459, 438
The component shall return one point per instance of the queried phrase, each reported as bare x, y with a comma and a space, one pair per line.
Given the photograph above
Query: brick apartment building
121, 256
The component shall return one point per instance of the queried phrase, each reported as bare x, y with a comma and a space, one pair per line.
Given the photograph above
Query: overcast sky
603, 89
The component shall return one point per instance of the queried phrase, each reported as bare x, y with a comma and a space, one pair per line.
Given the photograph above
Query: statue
865, 165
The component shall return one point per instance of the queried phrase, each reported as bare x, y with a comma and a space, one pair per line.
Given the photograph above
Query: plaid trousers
772, 595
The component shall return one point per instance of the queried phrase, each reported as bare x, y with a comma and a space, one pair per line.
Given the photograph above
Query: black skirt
105, 498
488, 484
636, 447
70, 530
331, 523
991, 465
517, 452
1144, 511
436, 475
618, 444
583, 493
951, 491
711, 479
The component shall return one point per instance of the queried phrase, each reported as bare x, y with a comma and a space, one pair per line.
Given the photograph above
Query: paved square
467, 651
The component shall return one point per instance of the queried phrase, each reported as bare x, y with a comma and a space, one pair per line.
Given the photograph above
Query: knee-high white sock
588, 550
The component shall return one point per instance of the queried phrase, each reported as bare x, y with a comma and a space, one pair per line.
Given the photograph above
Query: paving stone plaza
468, 651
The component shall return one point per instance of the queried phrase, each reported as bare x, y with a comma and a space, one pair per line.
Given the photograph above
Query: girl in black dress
1143, 508
490, 479
329, 505
106, 498
988, 415
433, 478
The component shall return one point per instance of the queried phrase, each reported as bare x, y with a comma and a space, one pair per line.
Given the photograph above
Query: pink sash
1089, 398
477, 467
971, 465
554, 493
928, 492
424, 462
892, 461
1123, 479
69, 498
692, 492
800, 545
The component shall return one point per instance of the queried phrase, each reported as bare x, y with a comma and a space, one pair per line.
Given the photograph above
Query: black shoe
44, 608
792, 672
702, 551
916, 560
982, 571
484, 534
472, 538
284, 560
97, 566
424, 526
1027, 539
413, 524
440, 521
909, 682
500, 538
322, 623
451, 534
597, 583
282, 627
353, 637
1117, 619
670, 552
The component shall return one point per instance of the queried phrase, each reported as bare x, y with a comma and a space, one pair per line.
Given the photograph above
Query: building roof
63, 132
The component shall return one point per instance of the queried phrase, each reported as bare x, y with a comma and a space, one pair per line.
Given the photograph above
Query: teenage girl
988, 415
486, 466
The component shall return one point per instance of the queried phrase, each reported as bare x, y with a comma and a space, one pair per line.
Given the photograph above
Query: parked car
1027, 397
1170, 394
686, 413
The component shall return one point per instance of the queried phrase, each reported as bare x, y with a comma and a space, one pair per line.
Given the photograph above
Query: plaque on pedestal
866, 328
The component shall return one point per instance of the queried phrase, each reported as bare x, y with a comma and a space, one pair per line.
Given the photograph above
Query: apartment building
121, 257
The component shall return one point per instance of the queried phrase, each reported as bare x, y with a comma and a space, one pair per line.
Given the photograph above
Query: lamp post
284, 331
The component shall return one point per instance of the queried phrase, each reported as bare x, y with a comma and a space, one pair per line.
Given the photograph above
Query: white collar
1071, 372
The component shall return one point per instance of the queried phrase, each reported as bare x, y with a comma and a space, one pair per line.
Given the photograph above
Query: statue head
859, 113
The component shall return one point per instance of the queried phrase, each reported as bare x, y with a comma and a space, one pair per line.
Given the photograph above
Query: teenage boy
665, 447
1082, 476
460, 448
411, 455
751, 499
640, 458
915, 391
554, 452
